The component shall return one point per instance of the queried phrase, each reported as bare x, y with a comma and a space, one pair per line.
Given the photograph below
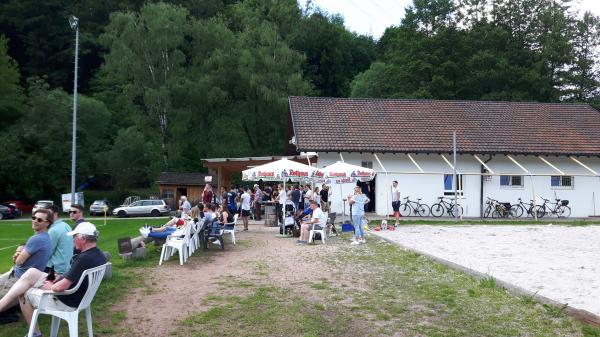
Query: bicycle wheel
517, 210
540, 211
488, 212
423, 210
564, 211
496, 213
437, 210
456, 210
405, 210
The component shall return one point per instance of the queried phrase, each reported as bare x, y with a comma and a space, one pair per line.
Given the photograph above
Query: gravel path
558, 262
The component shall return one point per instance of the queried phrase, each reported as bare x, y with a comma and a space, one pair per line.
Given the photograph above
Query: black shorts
245, 212
396, 206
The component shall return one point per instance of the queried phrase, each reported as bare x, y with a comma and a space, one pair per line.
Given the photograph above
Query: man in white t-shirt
245, 207
318, 218
396, 200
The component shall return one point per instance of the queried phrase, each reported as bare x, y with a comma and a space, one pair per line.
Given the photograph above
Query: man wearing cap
30, 286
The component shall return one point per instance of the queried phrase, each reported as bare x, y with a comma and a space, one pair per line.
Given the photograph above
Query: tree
583, 77
11, 95
146, 52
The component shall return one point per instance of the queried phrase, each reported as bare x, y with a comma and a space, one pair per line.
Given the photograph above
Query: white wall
430, 186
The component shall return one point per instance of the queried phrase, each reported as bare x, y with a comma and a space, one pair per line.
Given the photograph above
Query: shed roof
179, 178
324, 124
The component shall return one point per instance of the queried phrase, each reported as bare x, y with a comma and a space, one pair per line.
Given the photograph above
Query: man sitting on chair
319, 219
29, 288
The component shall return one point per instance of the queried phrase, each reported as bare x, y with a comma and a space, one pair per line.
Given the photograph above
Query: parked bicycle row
492, 208
444, 206
497, 209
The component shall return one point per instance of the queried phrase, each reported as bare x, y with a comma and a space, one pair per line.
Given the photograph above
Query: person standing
325, 198
186, 207
258, 199
76, 214
207, 195
358, 212
296, 197
396, 201
283, 198
245, 207
62, 245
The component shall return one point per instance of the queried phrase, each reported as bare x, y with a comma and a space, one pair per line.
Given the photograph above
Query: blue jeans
358, 228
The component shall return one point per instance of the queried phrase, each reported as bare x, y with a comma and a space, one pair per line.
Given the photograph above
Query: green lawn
111, 291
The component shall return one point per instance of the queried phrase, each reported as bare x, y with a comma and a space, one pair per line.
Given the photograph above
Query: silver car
143, 207
99, 206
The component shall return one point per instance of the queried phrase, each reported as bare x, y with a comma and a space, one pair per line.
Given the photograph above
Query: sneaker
217, 242
355, 242
301, 242
363, 241
36, 334
144, 231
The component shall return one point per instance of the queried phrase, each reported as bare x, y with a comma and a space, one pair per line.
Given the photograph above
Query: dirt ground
171, 291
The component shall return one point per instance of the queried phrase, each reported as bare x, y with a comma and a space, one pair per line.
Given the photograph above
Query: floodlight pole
454, 182
74, 22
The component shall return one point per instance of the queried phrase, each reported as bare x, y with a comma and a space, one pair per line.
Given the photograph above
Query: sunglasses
38, 219
73, 212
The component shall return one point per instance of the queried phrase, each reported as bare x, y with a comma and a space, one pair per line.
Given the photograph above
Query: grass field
402, 294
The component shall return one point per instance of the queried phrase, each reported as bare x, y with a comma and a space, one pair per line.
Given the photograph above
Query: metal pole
454, 182
74, 25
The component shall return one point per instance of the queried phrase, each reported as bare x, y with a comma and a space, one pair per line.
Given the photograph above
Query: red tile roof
324, 124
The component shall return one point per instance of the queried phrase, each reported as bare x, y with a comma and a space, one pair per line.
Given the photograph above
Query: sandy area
558, 262
172, 292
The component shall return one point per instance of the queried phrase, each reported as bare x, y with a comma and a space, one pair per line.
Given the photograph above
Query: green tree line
164, 84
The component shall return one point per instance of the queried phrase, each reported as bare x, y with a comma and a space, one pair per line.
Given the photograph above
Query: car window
157, 202
147, 203
137, 203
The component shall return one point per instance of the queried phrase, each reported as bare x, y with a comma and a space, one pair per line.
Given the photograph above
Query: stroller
289, 221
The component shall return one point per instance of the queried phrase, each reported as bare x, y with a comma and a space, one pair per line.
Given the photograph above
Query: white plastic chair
94, 276
231, 231
176, 244
321, 231
194, 243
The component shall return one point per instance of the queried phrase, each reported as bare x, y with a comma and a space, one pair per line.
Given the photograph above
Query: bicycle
498, 209
522, 207
560, 208
438, 209
410, 207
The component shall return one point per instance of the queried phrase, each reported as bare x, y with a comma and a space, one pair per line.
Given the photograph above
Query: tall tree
11, 95
146, 52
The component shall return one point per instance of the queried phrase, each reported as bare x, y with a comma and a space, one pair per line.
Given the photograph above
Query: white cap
84, 228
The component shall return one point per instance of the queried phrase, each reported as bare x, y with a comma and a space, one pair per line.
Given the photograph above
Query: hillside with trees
164, 84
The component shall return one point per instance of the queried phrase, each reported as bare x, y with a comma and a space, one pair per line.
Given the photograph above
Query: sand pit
558, 262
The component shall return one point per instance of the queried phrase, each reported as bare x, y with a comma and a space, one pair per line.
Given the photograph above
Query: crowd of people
53, 258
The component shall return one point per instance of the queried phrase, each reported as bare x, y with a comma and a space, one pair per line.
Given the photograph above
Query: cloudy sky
371, 17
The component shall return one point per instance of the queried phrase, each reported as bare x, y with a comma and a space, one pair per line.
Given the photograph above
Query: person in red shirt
207, 195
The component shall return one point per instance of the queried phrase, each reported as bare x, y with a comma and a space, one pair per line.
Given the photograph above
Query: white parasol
282, 170
342, 173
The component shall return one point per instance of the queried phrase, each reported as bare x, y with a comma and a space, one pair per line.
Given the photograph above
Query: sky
372, 17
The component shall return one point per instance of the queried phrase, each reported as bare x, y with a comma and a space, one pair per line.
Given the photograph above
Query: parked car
21, 205
42, 204
97, 207
143, 207
5, 212
16, 212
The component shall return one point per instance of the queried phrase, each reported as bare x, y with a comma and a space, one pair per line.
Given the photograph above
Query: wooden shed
173, 185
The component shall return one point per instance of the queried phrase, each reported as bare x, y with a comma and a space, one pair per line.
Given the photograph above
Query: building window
448, 188
367, 164
167, 193
511, 181
561, 182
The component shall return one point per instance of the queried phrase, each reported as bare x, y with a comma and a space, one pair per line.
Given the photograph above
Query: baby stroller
289, 222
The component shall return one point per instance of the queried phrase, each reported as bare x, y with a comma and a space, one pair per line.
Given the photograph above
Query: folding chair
94, 277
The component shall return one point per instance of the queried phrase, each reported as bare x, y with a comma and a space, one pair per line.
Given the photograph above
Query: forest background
164, 84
